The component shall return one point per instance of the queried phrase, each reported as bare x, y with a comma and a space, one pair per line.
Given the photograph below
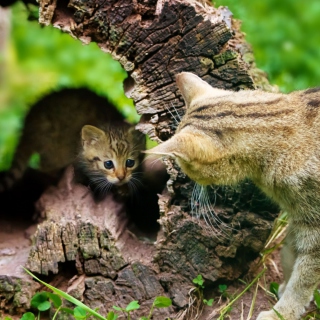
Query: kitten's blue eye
108, 164
129, 163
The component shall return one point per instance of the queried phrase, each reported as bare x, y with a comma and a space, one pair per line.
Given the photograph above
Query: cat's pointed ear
173, 148
90, 135
192, 87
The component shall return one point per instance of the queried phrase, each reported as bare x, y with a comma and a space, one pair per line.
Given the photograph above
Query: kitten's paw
267, 315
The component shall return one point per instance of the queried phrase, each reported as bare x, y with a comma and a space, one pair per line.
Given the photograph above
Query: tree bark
153, 40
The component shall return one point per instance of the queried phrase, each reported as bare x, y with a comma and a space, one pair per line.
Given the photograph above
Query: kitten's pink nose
121, 177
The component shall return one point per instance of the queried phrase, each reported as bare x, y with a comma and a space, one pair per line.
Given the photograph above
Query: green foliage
199, 290
223, 290
284, 36
28, 316
278, 314
198, 281
208, 302
274, 288
159, 302
162, 302
133, 305
112, 316
39, 60
42, 302
316, 296
80, 313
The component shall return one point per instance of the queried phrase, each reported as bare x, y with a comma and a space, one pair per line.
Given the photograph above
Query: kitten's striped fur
272, 139
53, 129
116, 144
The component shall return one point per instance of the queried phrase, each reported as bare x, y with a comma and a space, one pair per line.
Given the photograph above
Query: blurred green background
284, 34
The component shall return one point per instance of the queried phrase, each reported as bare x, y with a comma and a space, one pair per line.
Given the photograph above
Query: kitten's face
113, 154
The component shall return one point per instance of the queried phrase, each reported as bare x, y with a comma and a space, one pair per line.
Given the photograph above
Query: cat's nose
120, 177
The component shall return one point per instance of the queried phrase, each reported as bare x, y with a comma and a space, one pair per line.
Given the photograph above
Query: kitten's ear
90, 135
192, 87
138, 137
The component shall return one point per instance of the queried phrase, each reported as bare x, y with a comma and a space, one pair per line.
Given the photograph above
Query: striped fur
272, 139
111, 143
53, 127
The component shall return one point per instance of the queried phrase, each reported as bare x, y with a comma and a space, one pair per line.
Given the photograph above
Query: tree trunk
113, 266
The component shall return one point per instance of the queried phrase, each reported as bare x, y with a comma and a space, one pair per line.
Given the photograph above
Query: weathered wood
95, 238
153, 41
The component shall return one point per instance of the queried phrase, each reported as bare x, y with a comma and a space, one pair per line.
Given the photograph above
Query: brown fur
272, 139
53, 130
117, 144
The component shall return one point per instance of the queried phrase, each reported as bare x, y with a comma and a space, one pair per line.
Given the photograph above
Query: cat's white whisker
176, 111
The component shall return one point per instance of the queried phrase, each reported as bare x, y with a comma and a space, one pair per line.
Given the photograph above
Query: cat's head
190, 146
113, 154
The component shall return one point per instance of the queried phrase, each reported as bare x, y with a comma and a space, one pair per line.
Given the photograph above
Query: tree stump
90, 243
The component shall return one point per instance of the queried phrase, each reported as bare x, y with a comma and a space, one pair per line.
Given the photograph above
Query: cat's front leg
299, 290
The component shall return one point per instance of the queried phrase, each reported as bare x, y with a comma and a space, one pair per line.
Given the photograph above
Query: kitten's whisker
133, 187
133, 180
107, 188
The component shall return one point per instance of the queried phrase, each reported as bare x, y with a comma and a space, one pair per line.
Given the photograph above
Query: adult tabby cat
56, 125
273, 139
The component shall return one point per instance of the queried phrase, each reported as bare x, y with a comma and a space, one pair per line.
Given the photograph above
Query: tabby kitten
111, 157
54, 126
272, 139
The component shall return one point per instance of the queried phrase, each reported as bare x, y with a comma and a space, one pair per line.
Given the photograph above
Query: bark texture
153, 40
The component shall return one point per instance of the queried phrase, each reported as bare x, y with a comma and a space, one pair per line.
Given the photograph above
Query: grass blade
67, 296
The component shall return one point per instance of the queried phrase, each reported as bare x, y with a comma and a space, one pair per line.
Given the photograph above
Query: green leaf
117, 308
57, 302
66, 310
223, 288
198, 280
278, 314
67, 296
162, 302
274, 288
39, 298
133, 305
79, 313
44, 306
316, 296
112, 316
28, 316
208, 302
143, 318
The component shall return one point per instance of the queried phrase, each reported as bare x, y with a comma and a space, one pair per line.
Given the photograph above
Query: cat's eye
129, 163
108, 164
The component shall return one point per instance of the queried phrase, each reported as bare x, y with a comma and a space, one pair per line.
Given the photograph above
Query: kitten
272, 139
53, 129
111, 157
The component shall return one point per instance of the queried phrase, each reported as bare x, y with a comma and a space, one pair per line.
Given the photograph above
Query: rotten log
91, 244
